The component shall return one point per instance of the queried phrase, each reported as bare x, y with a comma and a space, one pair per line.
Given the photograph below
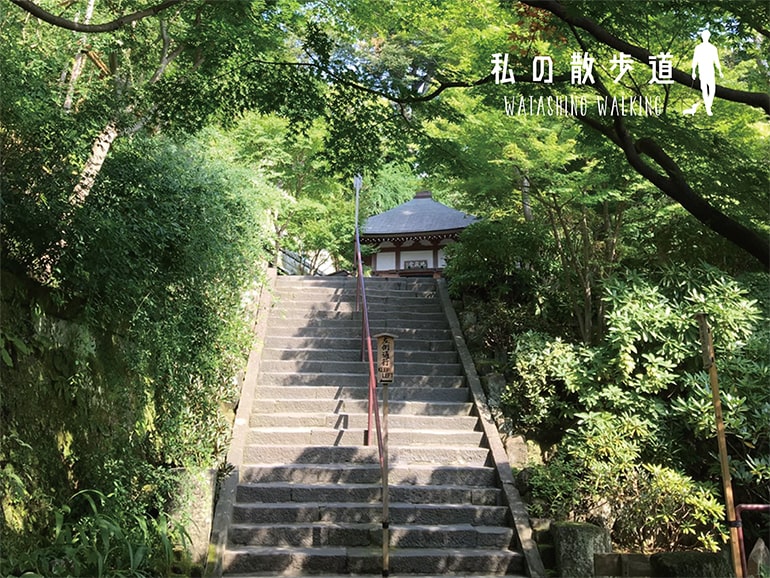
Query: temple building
410, 239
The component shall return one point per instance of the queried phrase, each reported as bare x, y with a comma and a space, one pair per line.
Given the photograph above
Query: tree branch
674, 185
756, 99
45, 16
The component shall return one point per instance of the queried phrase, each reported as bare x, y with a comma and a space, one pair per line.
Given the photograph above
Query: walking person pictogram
705, 60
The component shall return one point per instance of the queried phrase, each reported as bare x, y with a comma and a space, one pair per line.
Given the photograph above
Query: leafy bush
632, 417
664, 510
555, 491
650, 508
546, 373
496, 259
120, 369
96, 543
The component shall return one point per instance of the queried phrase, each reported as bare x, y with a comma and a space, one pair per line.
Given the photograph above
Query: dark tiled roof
420, 215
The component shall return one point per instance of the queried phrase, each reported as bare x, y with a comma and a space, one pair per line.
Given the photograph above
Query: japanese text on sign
581, 68
385, 361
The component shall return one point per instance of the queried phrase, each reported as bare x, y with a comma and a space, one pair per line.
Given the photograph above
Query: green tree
686, 165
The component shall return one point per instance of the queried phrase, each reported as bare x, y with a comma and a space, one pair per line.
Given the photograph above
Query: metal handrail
367, 353
738, 510
373, 409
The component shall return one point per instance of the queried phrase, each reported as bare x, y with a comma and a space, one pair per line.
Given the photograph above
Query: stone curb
227, 491
534, 563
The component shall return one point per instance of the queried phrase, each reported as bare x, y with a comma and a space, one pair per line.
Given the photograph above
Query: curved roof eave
421, 215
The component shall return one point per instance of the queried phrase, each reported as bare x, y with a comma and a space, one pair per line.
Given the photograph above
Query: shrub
118, 372
95, 543
497, 259
546, 375
633, 414
664, 510
555, 490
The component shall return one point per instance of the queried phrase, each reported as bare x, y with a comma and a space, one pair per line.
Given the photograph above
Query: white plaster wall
441, 259
417, 256
386, 261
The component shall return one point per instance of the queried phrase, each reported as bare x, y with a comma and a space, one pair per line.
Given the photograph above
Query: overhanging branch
675, 186
54, 20
756, 99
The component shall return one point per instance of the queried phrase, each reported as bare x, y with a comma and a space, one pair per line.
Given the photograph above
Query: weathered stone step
302, 561
312, 301
364, 493
331, 342
358, 368
291, 378
304, 535
347, 406
378, 312
390, 285
354, 355
341, 324
347, 311
348, 437
346, 512
414, 454
370, 534
360, 420
395, 393
350, 283
399, 332
370, 474
329, 575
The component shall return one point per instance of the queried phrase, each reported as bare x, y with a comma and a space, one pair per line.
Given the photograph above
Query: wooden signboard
385, 357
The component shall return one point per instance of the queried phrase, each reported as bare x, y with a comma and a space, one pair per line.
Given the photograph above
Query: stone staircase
307, 498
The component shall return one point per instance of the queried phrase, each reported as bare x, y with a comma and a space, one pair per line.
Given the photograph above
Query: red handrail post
738, 510
366, 339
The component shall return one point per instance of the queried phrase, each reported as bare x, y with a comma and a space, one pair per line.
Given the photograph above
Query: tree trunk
80, 59
525, 199
99, 151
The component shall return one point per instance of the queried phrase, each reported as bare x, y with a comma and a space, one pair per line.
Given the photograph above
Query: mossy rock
691, 565
576, 543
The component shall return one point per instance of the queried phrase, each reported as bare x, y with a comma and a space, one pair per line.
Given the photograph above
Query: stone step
275, 560
347, 311
349, 437
335, 342
330, 575
346, 324
338, 282
370, 534
400, 333
348, 406
347, 512
354, 355
308, 502
358, 368
284, 492
350, 284
370, 474
291, 378
395, 393
413, 454
360, 420
309, 301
